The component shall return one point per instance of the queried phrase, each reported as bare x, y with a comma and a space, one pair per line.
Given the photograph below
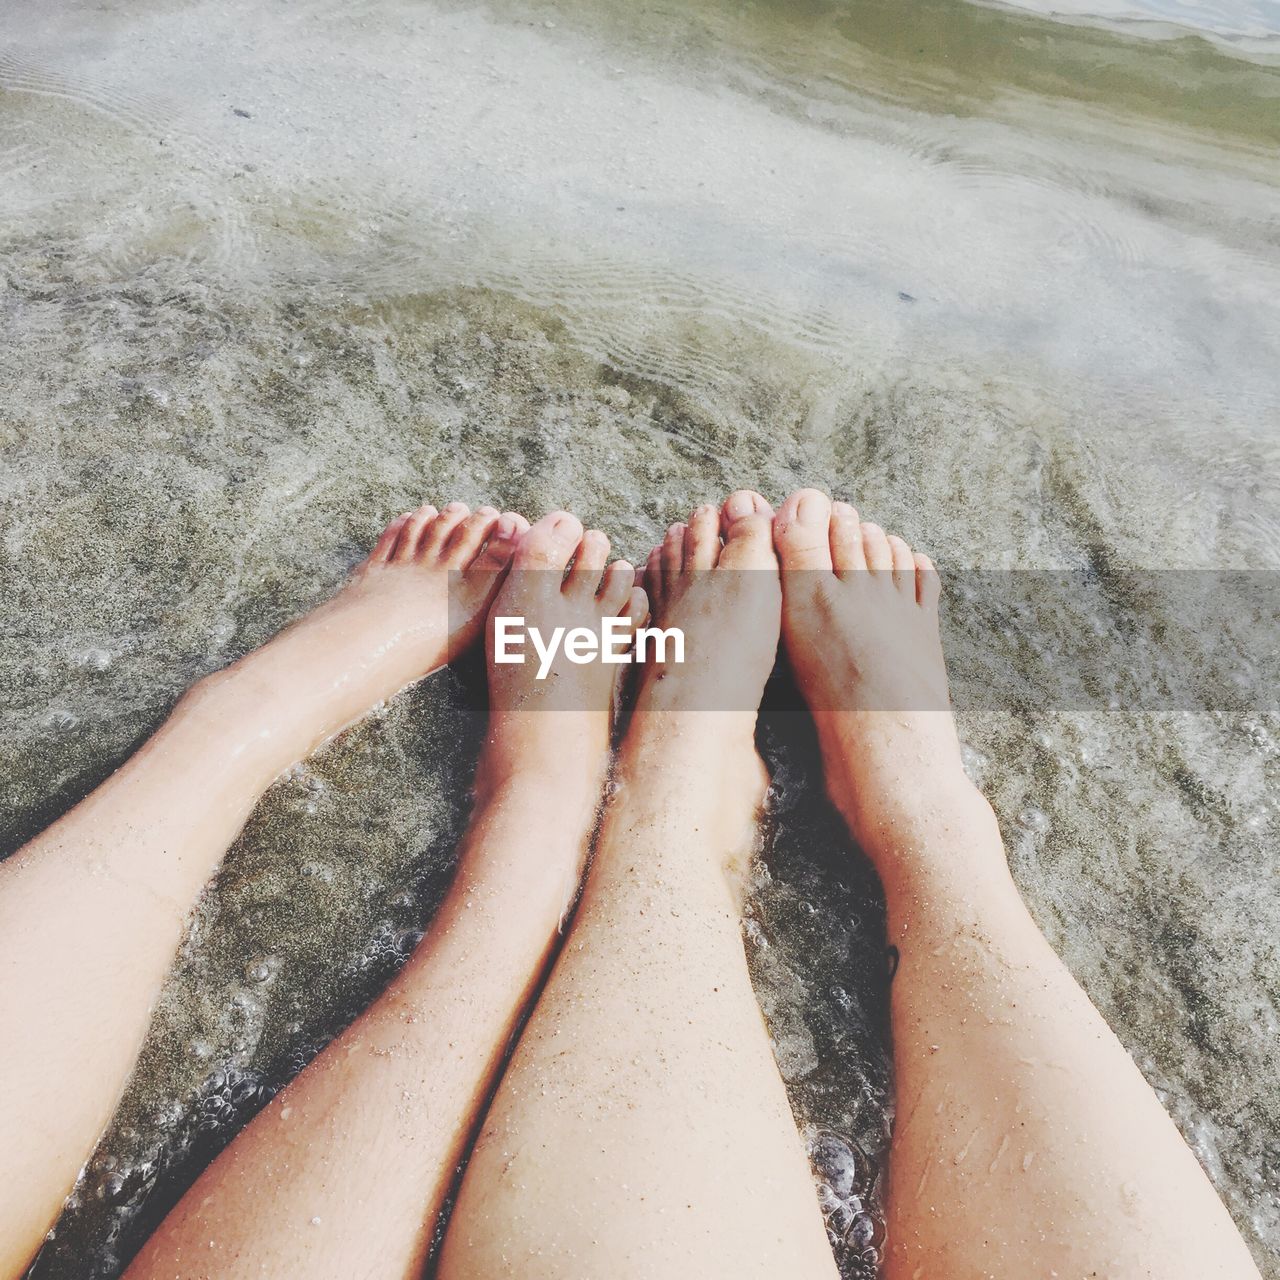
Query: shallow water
1011, 283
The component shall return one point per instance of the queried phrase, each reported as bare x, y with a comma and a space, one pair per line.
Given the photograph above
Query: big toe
802, 531
740, 503
550, 543
747, 522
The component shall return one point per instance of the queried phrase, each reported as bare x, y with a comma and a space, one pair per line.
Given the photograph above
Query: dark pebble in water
241, 112
862, 1231
836, 1162
905, 297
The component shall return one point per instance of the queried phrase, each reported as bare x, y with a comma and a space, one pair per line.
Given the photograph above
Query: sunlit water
273, 273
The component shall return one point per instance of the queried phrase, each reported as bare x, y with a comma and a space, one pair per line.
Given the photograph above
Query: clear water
1010, 281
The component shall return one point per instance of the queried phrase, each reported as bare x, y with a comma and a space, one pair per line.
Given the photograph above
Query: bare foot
419, 598
860, 624
699, 717
556, 724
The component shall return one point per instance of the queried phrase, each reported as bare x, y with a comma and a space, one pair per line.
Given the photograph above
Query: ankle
696, 771
699, 745
557, 756
895, 761
948, 830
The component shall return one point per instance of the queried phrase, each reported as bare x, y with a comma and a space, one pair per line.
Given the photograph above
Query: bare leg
92, 911
345, 1172
1027, 1143
642, 1129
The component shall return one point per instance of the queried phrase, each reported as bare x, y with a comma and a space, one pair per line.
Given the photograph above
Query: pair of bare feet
857, 611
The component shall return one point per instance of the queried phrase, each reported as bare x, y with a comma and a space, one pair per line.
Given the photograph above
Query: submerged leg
642, 1129
344, 1174
92, 910
1027, 1143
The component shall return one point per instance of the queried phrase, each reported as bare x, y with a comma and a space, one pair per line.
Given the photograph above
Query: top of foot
692, 736
560, 580
716, 579
861, 611
860, 626
418, 598
454, 557
548, 709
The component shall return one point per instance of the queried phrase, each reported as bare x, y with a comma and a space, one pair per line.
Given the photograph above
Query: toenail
506, 527
810, 507
562, 520
739, 505
844, 509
